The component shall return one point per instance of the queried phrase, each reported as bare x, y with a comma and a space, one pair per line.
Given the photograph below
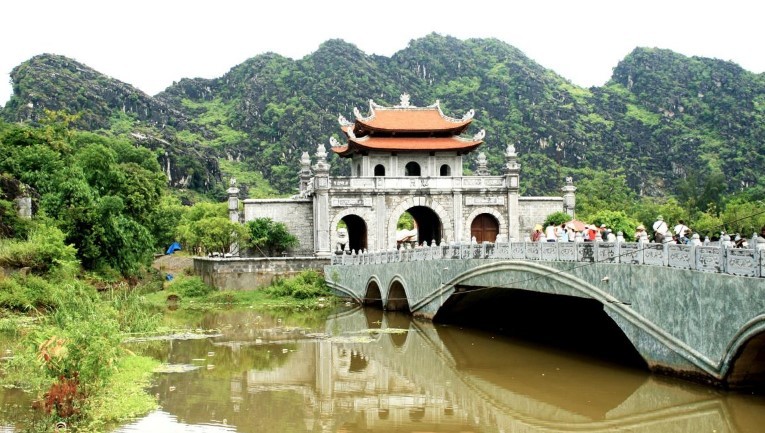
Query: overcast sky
151, 43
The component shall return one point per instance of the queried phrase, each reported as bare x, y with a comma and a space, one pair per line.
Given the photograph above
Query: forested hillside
665, 124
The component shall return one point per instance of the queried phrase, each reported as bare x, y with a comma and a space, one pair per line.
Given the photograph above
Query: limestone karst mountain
668, 123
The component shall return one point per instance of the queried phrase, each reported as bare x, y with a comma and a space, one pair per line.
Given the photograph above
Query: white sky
151, 43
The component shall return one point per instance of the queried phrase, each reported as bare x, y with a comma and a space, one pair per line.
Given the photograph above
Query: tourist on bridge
681, 230
563, 233
550, 233
660, 230
640, 234
537, 234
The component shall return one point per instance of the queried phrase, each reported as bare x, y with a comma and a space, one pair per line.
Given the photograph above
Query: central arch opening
356, 230
412, 169
419, 224
568, 323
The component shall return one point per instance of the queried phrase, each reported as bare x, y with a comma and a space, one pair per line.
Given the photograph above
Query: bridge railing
720, 259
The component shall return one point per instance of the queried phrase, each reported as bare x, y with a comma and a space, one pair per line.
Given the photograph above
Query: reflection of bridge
699, 312
409, 379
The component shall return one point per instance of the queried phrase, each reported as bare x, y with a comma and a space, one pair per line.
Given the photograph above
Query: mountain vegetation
665, 125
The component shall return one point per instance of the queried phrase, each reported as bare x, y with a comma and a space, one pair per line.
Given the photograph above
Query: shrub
270, 237
192, 287
43, 251
28, 292
307, 284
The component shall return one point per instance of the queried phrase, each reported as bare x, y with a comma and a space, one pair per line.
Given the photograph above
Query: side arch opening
484, 228
747, 371
397, 300
373, 296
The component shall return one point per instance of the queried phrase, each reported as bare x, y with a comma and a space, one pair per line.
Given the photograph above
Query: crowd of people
662, 233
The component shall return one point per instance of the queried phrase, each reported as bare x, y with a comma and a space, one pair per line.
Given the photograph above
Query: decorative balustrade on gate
721, 259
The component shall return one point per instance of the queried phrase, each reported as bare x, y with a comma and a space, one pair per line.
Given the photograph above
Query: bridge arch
744, 361
356, 221
502, 226
447, 231
373, 294
398, 295
525, 277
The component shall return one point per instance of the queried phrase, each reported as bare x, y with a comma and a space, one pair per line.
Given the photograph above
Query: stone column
457, 215
569, 198
482, 169
321, 204
233, 201
380, 241
305, 173
512, 171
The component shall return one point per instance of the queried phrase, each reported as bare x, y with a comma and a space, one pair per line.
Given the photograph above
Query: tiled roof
411, 120
407, 118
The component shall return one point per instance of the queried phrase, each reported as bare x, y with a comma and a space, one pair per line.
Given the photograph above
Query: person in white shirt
681, 229
659, 229
550, 233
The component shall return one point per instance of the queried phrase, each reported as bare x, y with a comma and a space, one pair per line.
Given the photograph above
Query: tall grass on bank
72, 357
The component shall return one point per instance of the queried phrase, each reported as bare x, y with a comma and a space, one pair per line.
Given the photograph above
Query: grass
125, 395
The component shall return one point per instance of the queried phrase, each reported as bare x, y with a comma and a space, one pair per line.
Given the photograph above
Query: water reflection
356, 373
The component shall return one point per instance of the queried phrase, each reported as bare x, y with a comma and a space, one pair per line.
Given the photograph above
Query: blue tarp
175, 246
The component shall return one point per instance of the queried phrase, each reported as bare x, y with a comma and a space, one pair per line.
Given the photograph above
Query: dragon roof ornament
343, 121
479, 135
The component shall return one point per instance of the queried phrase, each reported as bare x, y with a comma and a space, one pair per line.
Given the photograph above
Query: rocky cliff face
52, 82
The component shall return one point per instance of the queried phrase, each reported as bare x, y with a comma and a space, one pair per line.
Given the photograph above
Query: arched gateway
405, 159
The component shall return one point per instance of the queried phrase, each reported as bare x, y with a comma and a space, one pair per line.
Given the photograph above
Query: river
364, 371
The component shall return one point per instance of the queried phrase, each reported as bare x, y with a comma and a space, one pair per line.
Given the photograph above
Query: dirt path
173, 264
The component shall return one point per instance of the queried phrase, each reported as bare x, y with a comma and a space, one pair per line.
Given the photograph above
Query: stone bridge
692, 311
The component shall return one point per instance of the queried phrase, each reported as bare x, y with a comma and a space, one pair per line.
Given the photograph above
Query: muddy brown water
364, 371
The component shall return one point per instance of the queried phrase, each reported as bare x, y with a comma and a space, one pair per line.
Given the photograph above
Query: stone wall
296, 214
251, 273
534, 210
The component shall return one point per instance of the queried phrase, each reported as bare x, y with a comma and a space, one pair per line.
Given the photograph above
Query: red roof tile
411, 120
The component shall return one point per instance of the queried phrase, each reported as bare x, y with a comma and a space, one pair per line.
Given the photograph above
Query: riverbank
68, 354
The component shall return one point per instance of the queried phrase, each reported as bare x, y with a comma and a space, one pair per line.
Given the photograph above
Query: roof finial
404, 100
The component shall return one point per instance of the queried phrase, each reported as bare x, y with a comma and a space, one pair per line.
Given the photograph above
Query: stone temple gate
406, 159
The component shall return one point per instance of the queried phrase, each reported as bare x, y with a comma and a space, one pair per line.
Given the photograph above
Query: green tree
601, 190
557, 218
745, 218
617, 221
218, 234
270, 237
